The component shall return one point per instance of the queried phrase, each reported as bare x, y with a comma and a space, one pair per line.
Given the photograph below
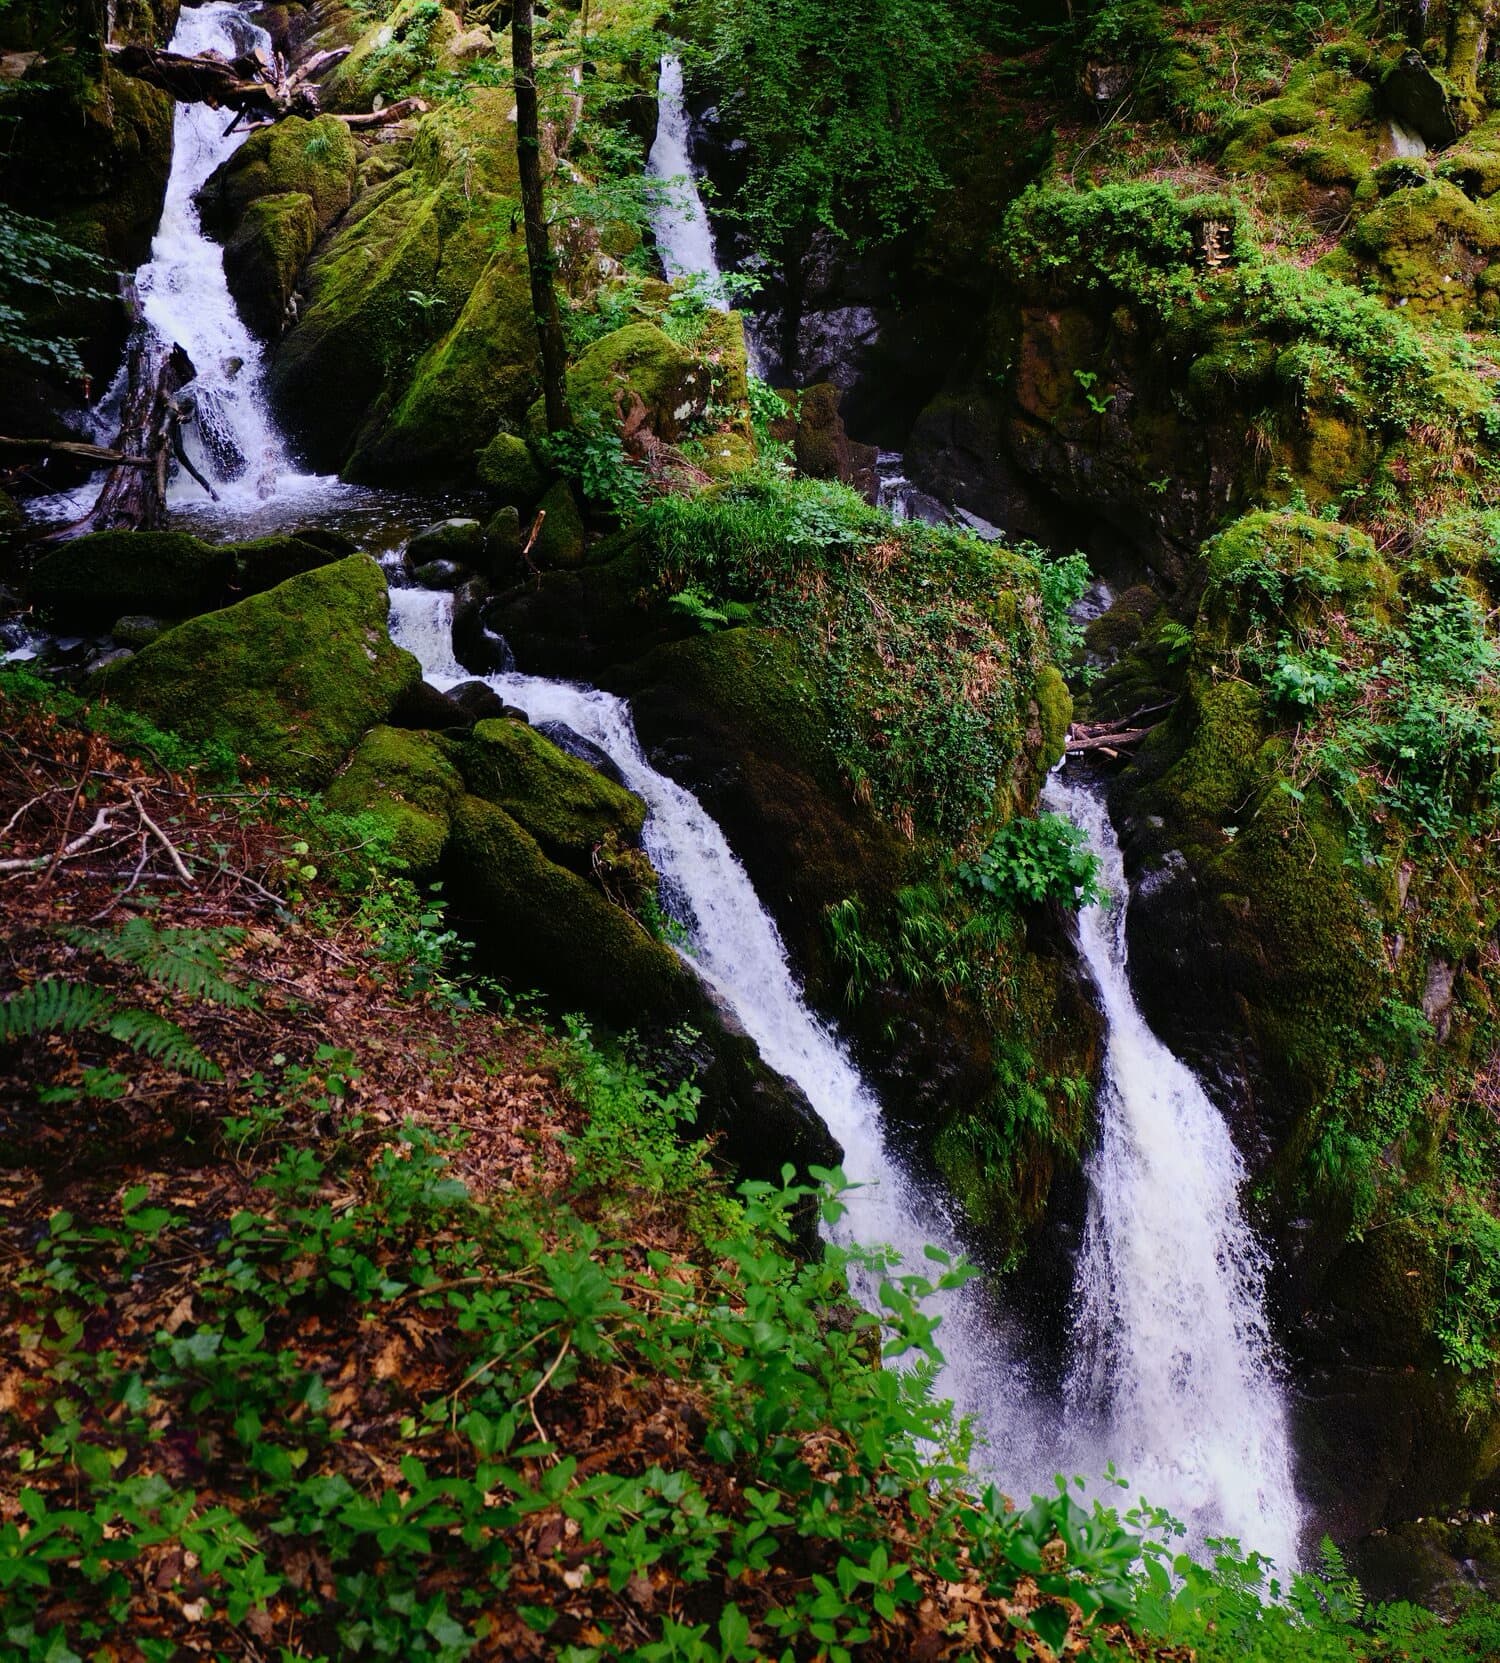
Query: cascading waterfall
734, 945
184, 298
683, 236
1174, 1373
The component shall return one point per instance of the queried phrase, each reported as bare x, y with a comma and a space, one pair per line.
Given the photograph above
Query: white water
1174, 1374
185, 299
734, 945
683, 237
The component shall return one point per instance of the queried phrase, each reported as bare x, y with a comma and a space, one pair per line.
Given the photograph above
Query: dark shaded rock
821, 447
560, 544
425, 706
136, 630
1419, 101
479, 701
502, 543
325, 538
264, 255
453, 539
566, 739
267, 561
507, 467
440, 574
477, 644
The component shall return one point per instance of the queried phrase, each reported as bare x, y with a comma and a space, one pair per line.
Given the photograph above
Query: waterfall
184, 298
1174, 1374
734, 946
683, 236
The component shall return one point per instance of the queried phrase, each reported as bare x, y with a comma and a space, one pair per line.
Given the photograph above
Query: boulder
1419, 101
585, 750
312, 159
634, 377
91, 581
453, 539
263, 257
136, 630
266, 561
426, 706
560, 544
290, 679
391, 56
570, 808
407, 782
480, 648
478, 700
506, 467
502, 544
440, 574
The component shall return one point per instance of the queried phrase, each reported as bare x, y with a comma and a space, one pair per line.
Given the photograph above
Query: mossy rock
407, 781
1294, 563
547, 927
571, 809
290, 679
391, 56
1054, 711
1425, 246
91, 581
560, 544
315, 159
266, 561
265, 255
137, 629
506, 467
416, 341
637, 366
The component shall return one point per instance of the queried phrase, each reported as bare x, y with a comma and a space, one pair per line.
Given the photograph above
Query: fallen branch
398, 111
162, 838
250, 83
101, 454
1105, 741
35, 863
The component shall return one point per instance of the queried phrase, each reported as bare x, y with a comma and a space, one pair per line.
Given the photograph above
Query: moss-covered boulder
507, 468
268, 249
264, 562
560, 543
392, 55
571, 809
548, 927
290, 679
1427, 246
457, 538
416, 341
315, 159
407, 781
91, 581
637, 376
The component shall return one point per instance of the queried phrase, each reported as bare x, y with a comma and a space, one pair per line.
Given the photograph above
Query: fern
52, 1007
61, 1007
188, 961
162, 1040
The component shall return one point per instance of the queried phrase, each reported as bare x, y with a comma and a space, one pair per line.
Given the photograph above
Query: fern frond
162, 1040
54, 1006
188, 961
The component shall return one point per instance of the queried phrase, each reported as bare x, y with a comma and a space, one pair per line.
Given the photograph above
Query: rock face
408, 783
290, 679
416, 342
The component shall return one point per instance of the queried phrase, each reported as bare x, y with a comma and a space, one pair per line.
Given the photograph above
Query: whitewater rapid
1174, 1375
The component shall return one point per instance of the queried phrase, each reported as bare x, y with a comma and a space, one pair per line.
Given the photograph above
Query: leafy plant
56, 1005
593, 453
1045, 858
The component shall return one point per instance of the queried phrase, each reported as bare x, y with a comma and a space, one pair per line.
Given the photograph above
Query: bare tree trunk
538, 248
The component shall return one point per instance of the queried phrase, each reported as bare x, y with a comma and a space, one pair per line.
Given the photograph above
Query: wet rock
479, 701
136, 630
1419, 101
458, 539
477, 645
426, 706
440, 574
567, 739
502, 543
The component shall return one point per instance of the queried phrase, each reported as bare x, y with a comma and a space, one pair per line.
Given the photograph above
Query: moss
315, 159
136, 630
1424, 246
550, 928
637, 363
570, 808
92, 580
1218, 769
266, 561
1320, 132
290, 678
391, 55
416, 341
408, 782
1055, 708
264, 256
1295, 563
507, 467
560, 544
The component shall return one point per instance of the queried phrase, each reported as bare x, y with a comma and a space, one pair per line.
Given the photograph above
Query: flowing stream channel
1173, 1373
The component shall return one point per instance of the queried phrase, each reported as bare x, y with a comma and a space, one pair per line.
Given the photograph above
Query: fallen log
1106, 742
251, 83
101, 454
398, 111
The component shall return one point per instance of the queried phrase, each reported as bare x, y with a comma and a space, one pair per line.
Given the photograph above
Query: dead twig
162, 838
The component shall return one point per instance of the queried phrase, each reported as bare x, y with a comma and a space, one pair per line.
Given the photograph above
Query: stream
1173, 1373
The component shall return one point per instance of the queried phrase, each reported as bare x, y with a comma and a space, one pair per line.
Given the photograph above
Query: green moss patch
408, 782
289, 679
89, 582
